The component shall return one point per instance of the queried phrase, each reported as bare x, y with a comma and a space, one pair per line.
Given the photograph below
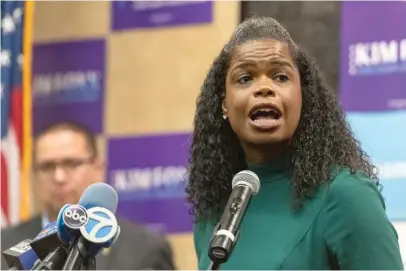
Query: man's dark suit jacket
135, 249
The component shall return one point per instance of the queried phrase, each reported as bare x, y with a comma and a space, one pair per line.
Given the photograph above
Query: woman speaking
265, 107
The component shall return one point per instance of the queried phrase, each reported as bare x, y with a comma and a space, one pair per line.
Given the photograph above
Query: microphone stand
89, 263
79, 258
77, 255
213, 266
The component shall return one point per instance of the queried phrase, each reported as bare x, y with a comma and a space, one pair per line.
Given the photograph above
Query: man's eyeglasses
68, 165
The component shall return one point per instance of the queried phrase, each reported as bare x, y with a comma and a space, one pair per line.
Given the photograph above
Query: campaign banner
149, 174
373, 56
382, 136
151, 14
68, 83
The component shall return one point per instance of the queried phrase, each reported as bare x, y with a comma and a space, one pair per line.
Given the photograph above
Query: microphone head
100, 195
65, 234
247, 178
94, 212
20, 256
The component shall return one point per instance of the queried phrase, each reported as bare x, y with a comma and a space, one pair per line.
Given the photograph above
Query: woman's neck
260, 154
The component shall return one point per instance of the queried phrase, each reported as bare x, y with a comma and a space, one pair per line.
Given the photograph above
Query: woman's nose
264, 91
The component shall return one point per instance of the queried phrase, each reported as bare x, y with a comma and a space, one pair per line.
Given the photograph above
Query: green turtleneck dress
344, 226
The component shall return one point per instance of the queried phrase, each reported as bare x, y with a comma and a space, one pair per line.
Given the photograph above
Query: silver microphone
245, 184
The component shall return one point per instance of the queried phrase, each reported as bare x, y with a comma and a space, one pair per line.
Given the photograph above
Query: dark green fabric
344, 223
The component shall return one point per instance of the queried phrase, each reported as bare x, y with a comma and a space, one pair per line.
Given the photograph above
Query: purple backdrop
148, 14
373, 56
68, 83
149, 174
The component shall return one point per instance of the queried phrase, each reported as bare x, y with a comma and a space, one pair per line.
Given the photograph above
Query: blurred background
131, 72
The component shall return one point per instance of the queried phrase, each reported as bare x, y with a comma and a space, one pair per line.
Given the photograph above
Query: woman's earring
224, 116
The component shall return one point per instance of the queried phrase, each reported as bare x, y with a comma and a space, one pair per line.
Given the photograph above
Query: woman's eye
244, 79
281, 78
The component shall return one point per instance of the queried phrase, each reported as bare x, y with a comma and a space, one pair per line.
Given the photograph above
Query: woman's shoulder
347, 182
356, 227
353, 191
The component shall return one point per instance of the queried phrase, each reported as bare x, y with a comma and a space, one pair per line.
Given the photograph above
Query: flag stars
20, 59
8, 24
17, 13
5, 58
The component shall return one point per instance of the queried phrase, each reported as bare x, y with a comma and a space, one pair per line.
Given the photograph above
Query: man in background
65, 163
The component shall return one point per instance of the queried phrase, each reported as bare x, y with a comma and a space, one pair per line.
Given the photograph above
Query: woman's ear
223, 106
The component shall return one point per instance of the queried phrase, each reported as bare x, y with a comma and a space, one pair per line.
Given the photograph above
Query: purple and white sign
149, 175
150, 14
373, 56
68, 83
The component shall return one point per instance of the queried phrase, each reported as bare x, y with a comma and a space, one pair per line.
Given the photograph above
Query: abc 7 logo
75, 216
104, 230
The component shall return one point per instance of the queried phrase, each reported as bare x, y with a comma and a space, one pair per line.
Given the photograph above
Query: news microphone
53, 261
46, 241
20, 256
96, 195
68, 234
93, 222
245, 184
49, 248
44, 245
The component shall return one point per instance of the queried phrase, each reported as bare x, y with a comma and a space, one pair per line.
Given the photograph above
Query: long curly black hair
322, 139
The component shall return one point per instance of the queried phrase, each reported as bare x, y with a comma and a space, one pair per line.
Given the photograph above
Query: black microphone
49, 248
46, 241
20, 256
54, 260
245, 184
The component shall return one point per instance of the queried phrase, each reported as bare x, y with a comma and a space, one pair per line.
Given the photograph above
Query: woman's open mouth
265, 117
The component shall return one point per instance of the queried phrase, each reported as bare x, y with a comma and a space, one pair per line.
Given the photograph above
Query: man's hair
76, 127
323, 139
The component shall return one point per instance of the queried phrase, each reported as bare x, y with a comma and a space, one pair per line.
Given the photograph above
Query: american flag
14, 192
